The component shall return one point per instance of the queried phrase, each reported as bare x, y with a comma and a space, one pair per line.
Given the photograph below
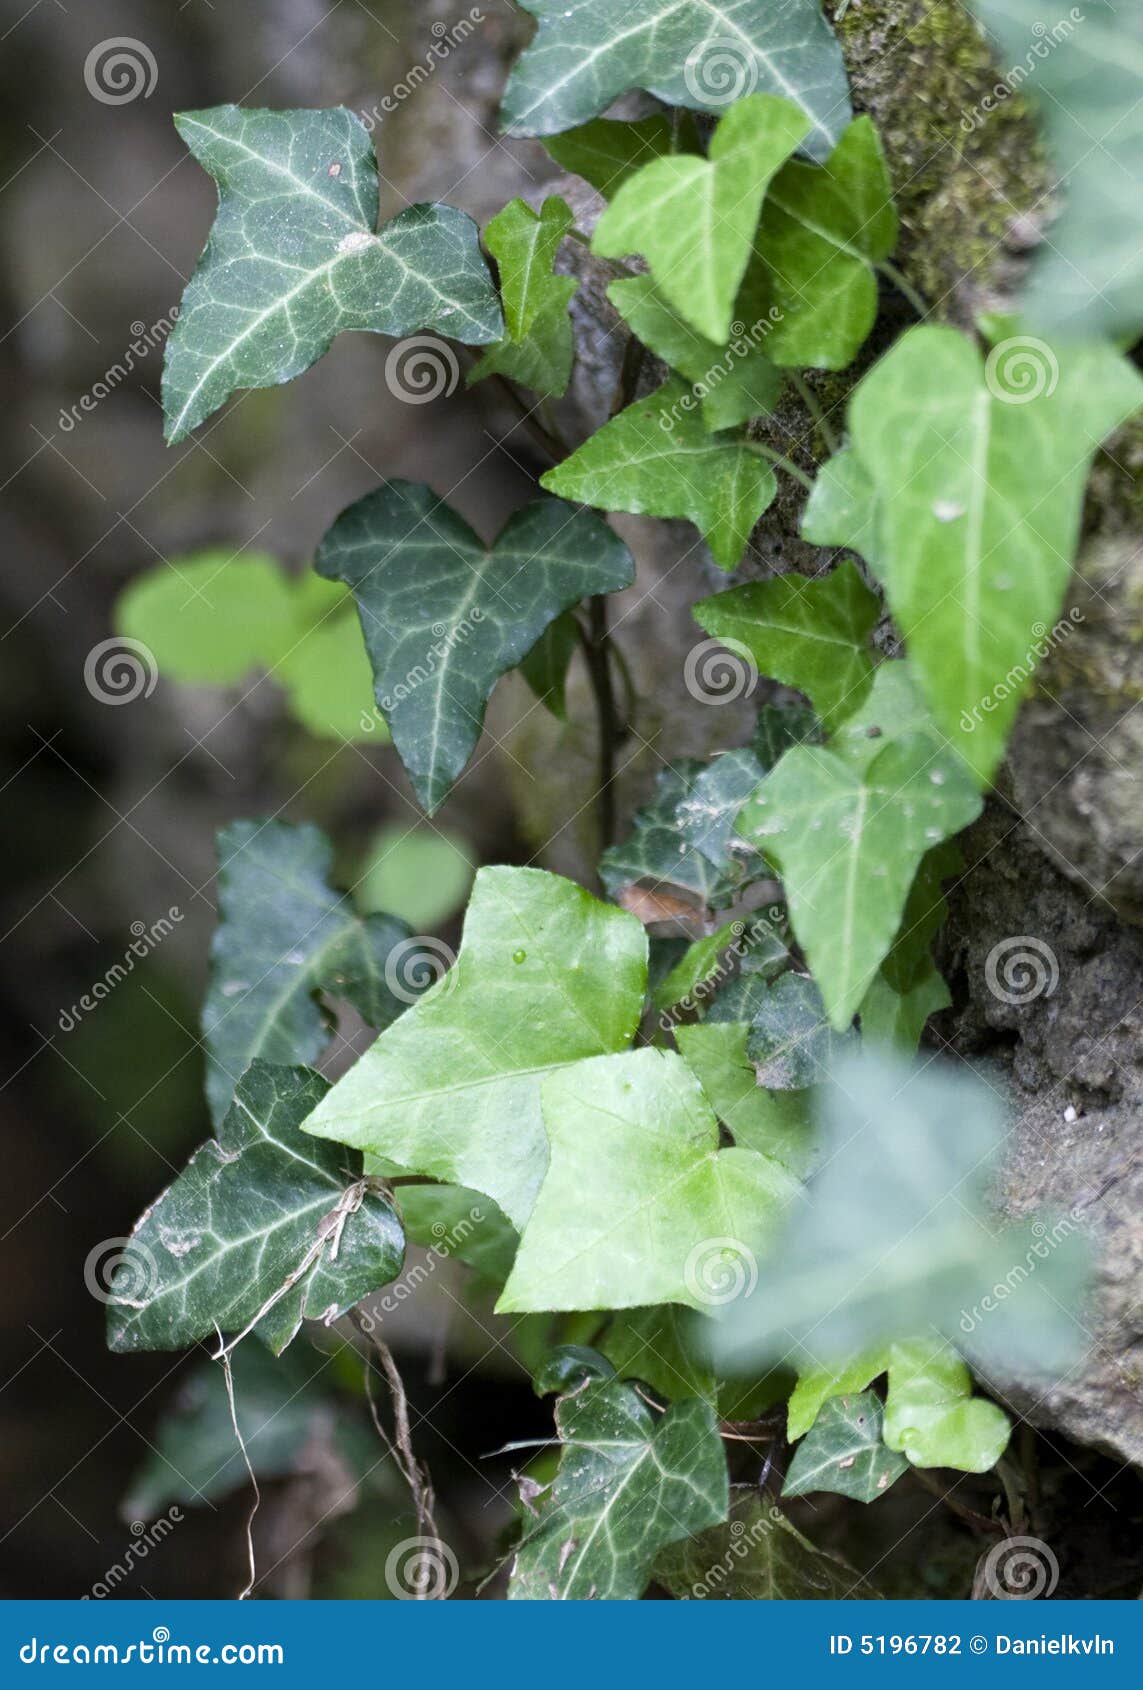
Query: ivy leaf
694, 219
546, 975
284, 937
546, 666
708, 809
848, 827
816, 1385
539, 349
842, 507
465, 1225
605, 153
730, 383
823, 229
659, 852
775, 1124
790, 1043
444, 618
932, 1415
844, 1452
262, 1226
978, 472
639, 1206
1088, 278
896, 1235
657, 1346
215, 618
656, 458
698, 969
813, 635
627, 1485
758, 1557
898, 1018
294, 258
696, 53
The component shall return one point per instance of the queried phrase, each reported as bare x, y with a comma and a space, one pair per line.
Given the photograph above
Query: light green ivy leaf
639, 1206
892, 1017
816, 1385
813, 635
629, 1483
444, 617
546, 976
848, 826
932, 1415
263, 1227
539, 349
285, 937
696, 53
775, 1124
294, 258
694, 219
844, 1452
606, 152
656, 458
824, 227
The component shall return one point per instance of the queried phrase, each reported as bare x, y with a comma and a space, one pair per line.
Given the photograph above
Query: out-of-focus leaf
758, 1557
424, 873
546, 666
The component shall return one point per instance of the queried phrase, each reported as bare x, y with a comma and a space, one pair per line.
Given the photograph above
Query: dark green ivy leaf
295, 257
284, 937
263, 1227
661, 853
791, 1042
758, 1557
444, 617
605, 153
843, 1452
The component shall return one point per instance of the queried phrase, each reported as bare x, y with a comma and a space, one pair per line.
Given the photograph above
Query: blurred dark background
111, 809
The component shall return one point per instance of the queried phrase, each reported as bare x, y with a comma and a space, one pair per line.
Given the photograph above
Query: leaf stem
820, 421
596, 644
780, 462
904, 286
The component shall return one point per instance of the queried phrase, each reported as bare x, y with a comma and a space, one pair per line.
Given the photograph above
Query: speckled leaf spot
629, 1483
844, 1452
264, 1227
295, 257
697, 53
444, 618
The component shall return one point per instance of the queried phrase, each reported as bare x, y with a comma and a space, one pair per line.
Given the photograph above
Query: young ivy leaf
844, 1452
758, 1557
605, 152
730, 383
694, 219
639, 1206
847, 827
696, 53
628, 1484
215, 618
816, 1385
539, 350
892, 1017
657, 459
444, 618
824, 227
263, 1227
1088, 277
932, 1415
284, 937
546, 666
975, 472
546, 976
294, 258
813, 635
775, 1124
